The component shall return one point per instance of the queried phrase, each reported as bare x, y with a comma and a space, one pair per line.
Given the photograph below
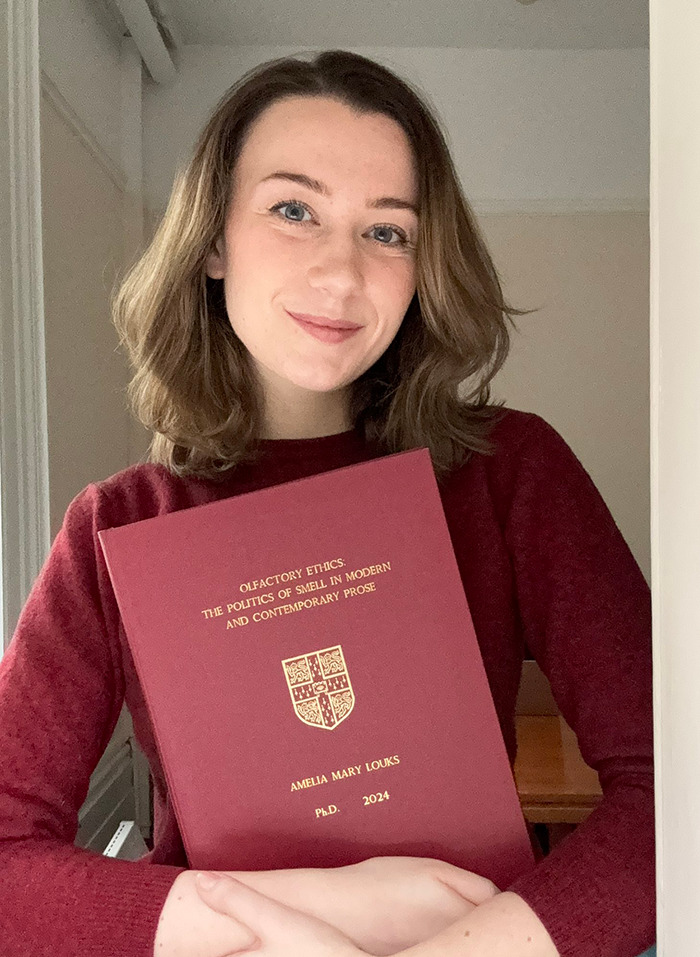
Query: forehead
329, 140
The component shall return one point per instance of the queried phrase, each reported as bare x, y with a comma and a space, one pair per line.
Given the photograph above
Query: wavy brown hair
195, 386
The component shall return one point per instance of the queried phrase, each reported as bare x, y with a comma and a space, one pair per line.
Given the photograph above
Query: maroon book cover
313, 676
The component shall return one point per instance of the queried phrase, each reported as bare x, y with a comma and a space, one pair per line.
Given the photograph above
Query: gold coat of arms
319, 685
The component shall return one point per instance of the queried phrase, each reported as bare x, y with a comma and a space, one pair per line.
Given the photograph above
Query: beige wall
88, 424
82, 205
582, 360
91, 227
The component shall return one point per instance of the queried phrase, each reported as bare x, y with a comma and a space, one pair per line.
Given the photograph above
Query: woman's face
339, 245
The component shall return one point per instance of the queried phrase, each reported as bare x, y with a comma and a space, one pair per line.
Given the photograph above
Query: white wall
82, 211
84, 195
83, 61
560, 126
84, 223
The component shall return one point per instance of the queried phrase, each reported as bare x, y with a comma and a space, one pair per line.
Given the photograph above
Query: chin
321, 383
324, 389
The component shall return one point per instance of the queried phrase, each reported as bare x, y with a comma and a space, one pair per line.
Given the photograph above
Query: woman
316, 293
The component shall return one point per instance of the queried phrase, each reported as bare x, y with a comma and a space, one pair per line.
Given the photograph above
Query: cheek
407, 281
393, 290
259, 257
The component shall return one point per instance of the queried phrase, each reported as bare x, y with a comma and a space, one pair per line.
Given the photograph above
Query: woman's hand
397, 902
383, 904
187, 927
276, 930
235, 918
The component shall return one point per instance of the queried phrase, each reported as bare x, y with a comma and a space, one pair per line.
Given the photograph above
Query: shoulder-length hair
195, 386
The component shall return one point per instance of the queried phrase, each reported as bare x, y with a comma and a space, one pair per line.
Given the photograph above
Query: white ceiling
504, 24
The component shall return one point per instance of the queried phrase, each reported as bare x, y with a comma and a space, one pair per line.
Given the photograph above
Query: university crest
320, 687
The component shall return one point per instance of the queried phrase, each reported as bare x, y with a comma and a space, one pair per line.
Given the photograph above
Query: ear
216, 263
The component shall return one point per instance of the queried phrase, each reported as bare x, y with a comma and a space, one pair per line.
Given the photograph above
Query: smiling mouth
323, 322
325, 333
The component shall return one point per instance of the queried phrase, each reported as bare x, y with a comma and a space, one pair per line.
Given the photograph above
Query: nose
336, 265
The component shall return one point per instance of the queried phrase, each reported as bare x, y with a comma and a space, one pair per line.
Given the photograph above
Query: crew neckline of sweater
318, 447
287, 459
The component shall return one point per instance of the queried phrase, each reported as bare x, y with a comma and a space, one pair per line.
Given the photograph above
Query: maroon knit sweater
542, 563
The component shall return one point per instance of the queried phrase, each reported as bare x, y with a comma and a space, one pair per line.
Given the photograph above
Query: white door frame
675, 465
24, 489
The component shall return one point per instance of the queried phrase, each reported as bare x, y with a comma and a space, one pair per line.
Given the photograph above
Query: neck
292, 412
305, 415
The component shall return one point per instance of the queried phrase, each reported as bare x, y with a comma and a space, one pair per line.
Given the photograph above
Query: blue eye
293, 203
278, 207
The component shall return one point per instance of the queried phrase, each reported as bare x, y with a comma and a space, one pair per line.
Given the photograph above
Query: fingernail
207, 880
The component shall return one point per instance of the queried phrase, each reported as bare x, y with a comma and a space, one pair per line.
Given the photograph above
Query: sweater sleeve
61, 692
586, 611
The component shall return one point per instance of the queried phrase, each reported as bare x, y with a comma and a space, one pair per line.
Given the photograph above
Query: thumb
232, 897
263, 915
215, 890
208, 880
218, 890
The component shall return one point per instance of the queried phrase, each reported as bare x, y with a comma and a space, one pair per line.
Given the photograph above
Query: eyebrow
386, 202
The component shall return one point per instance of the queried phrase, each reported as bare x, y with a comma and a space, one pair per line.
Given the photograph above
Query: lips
324, 321
324, 329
